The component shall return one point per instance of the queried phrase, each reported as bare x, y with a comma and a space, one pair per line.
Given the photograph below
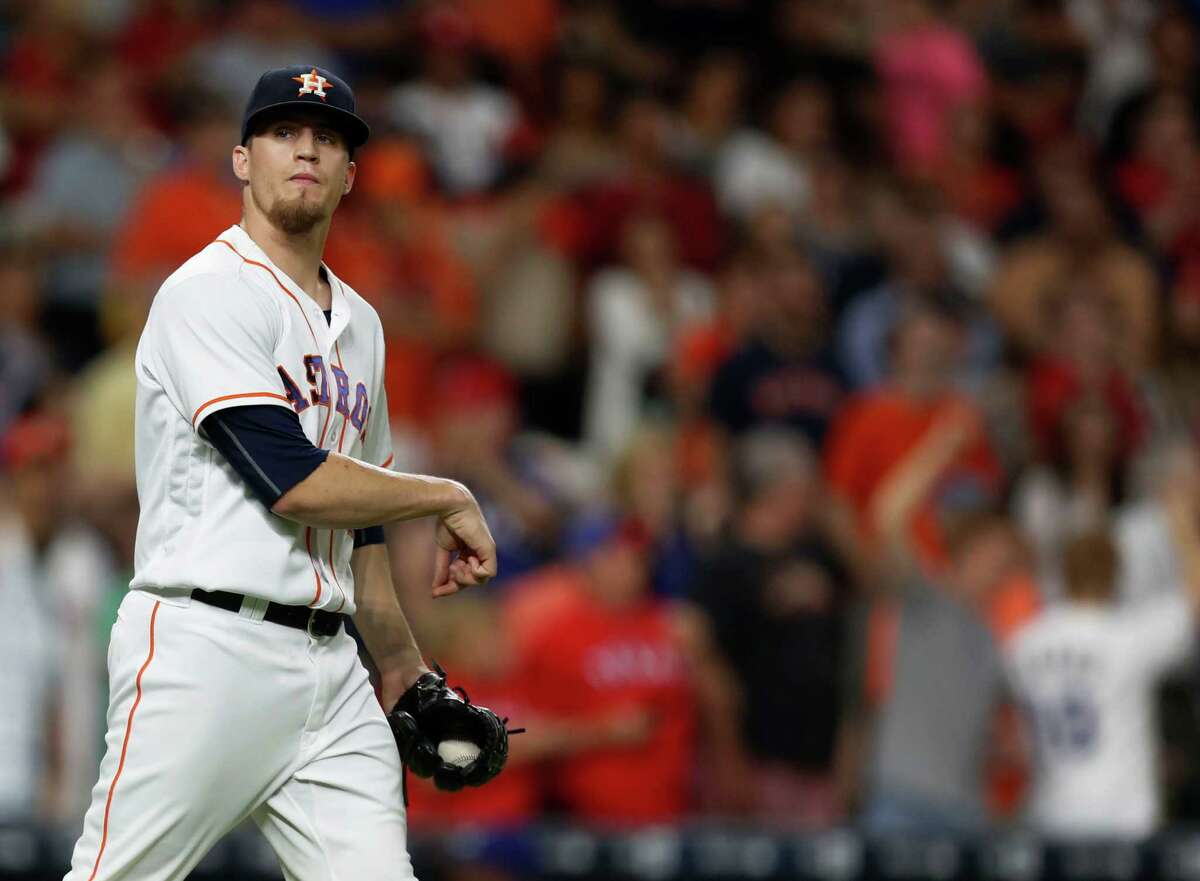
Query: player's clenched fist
466, 555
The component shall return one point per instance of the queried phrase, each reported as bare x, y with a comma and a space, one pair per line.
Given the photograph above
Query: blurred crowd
828, 372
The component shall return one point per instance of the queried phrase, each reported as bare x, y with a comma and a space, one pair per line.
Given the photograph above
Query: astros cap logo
313, 84
277, 90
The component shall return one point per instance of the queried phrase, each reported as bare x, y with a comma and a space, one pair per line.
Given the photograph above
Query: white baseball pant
214, 717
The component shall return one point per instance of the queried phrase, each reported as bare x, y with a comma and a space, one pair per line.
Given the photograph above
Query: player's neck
299, 256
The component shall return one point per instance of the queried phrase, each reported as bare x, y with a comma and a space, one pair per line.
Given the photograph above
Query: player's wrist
457, 497
397, 676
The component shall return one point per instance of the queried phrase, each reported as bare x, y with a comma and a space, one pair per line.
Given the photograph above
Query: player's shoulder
211, 291
214, 259
216, 272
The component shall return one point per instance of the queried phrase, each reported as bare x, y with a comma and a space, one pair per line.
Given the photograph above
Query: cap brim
355, 129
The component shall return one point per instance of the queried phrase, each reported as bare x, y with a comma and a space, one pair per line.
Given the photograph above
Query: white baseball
459, 753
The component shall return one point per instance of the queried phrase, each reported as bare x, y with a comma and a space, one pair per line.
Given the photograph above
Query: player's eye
325, 138
283, 131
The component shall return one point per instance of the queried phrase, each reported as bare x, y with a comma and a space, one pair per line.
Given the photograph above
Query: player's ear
351, 170
241, 162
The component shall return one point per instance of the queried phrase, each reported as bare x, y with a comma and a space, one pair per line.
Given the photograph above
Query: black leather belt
317, 622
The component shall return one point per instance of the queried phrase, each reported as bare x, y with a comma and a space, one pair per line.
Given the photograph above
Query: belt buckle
308, 627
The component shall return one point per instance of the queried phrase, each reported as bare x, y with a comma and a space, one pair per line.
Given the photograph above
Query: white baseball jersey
227, 329
1086, 676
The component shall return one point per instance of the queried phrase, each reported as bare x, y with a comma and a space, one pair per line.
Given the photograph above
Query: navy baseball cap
310, 87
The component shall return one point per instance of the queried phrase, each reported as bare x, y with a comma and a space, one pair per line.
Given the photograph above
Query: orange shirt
510, 799
423, 274
873, 434
175, 215
519, 31
593, 662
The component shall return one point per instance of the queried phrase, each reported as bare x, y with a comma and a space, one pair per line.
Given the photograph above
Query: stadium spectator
927, 768
1173, 69
1076, 490
1082, 358
158, 34
830, 231
578, 148
927, 70
649, 482
519, 34
636, 309
1117, 36
930, 257
784, 373
518, 247
756, 169
1150, 563
710, 112
1078, 248
1086, 673
647, 183
249, 38
471, 640
475, 439
977, 188
1161, 178
24, 351
394, 246
41, 52
155, 236
466, 124
83, 185
609, 655
1174, 387
6, 152
778, 598
878, 432
594, 29
29, 656
153, 239
52, 575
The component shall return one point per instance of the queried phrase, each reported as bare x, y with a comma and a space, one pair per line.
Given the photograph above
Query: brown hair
1090, 564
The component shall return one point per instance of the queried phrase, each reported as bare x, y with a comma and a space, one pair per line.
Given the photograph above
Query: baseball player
262, 456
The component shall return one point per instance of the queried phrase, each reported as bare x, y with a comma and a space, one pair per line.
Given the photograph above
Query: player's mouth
304, 178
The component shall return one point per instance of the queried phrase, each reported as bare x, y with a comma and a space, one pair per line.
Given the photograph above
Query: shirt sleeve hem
234, 400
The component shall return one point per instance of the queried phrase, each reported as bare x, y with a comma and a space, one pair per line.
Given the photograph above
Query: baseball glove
430, 712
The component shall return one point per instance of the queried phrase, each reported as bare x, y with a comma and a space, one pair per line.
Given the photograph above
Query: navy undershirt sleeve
372, 535
266, 446
268, 449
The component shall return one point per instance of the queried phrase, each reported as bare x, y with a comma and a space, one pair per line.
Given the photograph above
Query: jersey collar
340, 303
340, 311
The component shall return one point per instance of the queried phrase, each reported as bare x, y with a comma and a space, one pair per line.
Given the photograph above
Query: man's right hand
466, 554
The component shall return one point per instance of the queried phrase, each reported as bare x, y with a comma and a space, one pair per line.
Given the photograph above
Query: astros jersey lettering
228, 329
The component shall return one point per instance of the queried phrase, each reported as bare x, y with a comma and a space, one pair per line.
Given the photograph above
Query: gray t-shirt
947, 681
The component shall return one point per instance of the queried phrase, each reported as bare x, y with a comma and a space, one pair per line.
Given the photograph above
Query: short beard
296, 217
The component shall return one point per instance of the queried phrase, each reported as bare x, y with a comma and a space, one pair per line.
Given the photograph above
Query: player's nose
305, 145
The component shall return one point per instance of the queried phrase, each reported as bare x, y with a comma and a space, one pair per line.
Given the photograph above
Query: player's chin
298, 214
